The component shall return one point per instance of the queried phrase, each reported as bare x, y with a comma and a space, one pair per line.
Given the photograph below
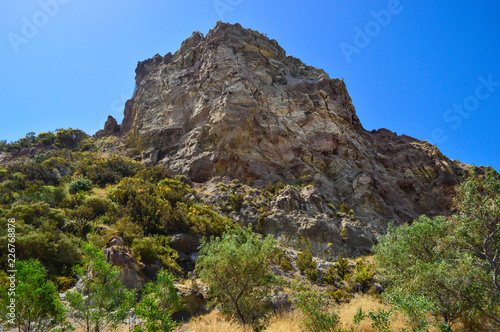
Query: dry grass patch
285, 322
367, 303
213, 322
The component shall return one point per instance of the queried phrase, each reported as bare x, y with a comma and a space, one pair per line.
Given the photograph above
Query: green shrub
78, 227
202, 220
153, 174
79, 184
417, 308
74, 201
37, 303
22, 173
272, 189
145, 249
87, 145
330, 275
107, 171
173, 191
344, 208
99, 206
316, 317
70, 138
57, 251
129, 188
46, 139
364, 274
236, 267
81, 212
342, 267
43, 156
37, 213
150, 249
381, 319
103, 301
159, 300
284, 262
152, 213
236, 201
307, 265
53, 196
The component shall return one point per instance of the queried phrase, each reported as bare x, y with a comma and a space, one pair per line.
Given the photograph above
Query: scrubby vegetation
68, 202
236, 267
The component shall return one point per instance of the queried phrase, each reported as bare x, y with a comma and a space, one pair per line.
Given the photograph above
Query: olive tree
35, 302
159, 301
475, 233
451, 262
236, 267
103, 300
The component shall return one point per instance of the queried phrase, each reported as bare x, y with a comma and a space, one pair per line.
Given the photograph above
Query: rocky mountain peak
233, 104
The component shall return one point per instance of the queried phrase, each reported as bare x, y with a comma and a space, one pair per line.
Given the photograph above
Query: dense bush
159, 301
150, 249
57, 251
99, 205
342, 267
154, 214
307, 265
165, 208
236, 201
36, 214
364, 274
153, 174
23, 174
202, 220
236, 267
104, 171
79, 227
79, 184
452, 261
54, 196
46, 139
37, 305
70, 138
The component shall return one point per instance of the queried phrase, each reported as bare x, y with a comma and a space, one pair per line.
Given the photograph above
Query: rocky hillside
232, 105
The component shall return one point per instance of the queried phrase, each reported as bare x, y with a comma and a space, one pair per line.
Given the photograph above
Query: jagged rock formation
233, 104
111, 127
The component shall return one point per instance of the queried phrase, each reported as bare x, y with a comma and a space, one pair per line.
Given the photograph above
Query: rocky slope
233, 105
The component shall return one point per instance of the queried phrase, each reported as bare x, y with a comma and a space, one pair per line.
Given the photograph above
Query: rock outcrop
233, 104
111, 127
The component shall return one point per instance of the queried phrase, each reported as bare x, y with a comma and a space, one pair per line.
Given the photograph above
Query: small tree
415, 258
37, 303
236, 267
159, 301
475, 234
70, 138
316, 317
104, 301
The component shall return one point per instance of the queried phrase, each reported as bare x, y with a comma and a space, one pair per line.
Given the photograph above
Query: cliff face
234, 104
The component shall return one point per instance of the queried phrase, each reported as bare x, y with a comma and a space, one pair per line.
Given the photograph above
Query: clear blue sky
413, 76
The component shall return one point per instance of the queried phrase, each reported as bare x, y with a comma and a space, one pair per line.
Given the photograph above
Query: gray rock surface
232, 104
